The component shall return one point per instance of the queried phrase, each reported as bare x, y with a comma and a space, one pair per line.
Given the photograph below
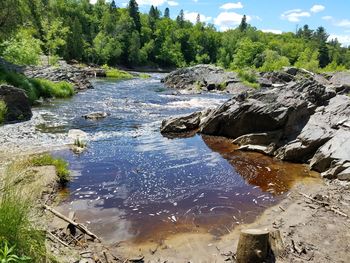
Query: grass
144, 76
3, 111
17, 231
248, 78
60, 165
79, 143
36, 88
118, 74
222, 86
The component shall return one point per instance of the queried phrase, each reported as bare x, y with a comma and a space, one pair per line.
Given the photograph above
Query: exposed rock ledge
304, 119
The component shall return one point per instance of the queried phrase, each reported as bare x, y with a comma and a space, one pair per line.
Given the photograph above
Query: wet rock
17, 103
76, 134
181, 124
96, 115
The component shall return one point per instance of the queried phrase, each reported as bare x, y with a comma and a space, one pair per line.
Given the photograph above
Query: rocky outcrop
300, 118
204, 78
17, 103
78, 76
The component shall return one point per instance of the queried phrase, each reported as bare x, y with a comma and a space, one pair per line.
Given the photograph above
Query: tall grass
36, 88
16, 228
60, 165
248, 77
3, 111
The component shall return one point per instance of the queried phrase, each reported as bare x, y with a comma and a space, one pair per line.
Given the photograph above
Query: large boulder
17, 103
204, 78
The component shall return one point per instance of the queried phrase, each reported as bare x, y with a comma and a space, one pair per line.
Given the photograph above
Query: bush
22, 49
248, 75
273, 61
36, 88
60, 164
3, 111
144, 76
118, 74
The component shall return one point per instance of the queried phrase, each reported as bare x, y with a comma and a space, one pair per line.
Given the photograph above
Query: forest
106, 34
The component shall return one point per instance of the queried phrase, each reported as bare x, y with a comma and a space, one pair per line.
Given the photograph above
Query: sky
275, 16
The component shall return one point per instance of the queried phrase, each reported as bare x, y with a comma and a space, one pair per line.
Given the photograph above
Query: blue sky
268, 15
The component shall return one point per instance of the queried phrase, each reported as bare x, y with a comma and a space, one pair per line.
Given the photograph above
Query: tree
308, 59
134, 13
244, 25
167, 13
75, 41
113, 5
273, 61
323, 56
320, 35
198, 19
180, 19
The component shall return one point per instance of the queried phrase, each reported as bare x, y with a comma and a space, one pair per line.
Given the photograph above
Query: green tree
323, 55
273, 61
134, 13
308, 59
180, 19
167, 13
244, 25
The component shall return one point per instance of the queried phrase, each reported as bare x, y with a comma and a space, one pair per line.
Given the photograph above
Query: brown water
135, 185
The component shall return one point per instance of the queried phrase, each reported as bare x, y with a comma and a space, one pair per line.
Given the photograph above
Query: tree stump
253, 246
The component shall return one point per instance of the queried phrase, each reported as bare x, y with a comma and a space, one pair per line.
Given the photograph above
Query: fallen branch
57, 239
333, 209
81, 227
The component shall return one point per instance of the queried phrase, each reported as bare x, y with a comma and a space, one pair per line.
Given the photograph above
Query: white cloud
229, 6
295, 15
317, 8
192, 16
274, 31
344, 39
173, 3
227, 20
343, 23
327, 18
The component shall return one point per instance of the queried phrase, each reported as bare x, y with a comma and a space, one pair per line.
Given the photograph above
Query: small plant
117, 74
79, 143
60, 164
3, 111
252, 85
222, 86
7, 255
49, 89
248, 78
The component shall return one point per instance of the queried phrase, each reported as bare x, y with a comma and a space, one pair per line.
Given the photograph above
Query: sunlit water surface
134, 184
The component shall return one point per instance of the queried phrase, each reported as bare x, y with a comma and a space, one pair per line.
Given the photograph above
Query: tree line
104, 33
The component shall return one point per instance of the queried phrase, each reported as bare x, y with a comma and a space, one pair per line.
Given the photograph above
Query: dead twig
57, 239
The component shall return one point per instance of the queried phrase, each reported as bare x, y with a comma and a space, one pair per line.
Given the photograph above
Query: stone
17, 103
96, 115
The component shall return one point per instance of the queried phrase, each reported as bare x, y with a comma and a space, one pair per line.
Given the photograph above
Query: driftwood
276, 243
79, 226
253, 246
324, 204
57, 239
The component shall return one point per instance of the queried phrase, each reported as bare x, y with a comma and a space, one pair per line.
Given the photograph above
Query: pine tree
323, 56
180, 19
198, 20
244, 25
167, 13
134, 13
113, 5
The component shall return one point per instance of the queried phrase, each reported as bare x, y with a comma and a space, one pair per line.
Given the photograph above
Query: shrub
118, 74
248, 75
60, 164
273, 61
144, 76
3, 111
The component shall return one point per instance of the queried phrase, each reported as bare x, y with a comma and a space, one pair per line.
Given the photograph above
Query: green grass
3, 111
248, 78
60, 164
36, 88
144, 76
118, 74
252, 85
80, 143
16, 229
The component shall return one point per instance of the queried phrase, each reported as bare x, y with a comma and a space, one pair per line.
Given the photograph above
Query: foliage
3, 111
7, 254
248, 77
273, 61
36, 88
22, 49
16, 228
60, 165
118, 74
103, 33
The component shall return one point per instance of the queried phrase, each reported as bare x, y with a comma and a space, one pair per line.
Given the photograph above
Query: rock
268, 150
204, 77
96, 115
17, 103
335, 150
344, 175
340, 79
181, 124
76, 134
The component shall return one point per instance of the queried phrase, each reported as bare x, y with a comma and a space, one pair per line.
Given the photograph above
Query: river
133, 184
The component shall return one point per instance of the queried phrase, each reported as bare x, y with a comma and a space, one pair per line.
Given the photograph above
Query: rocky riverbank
299, 116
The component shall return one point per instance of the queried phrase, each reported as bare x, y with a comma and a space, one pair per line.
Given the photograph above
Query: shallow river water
134, 184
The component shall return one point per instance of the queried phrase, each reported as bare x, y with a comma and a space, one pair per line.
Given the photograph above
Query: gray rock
17, 103
181, 124
96, 115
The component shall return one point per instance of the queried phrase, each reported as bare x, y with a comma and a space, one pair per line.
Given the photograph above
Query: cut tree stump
253, 246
